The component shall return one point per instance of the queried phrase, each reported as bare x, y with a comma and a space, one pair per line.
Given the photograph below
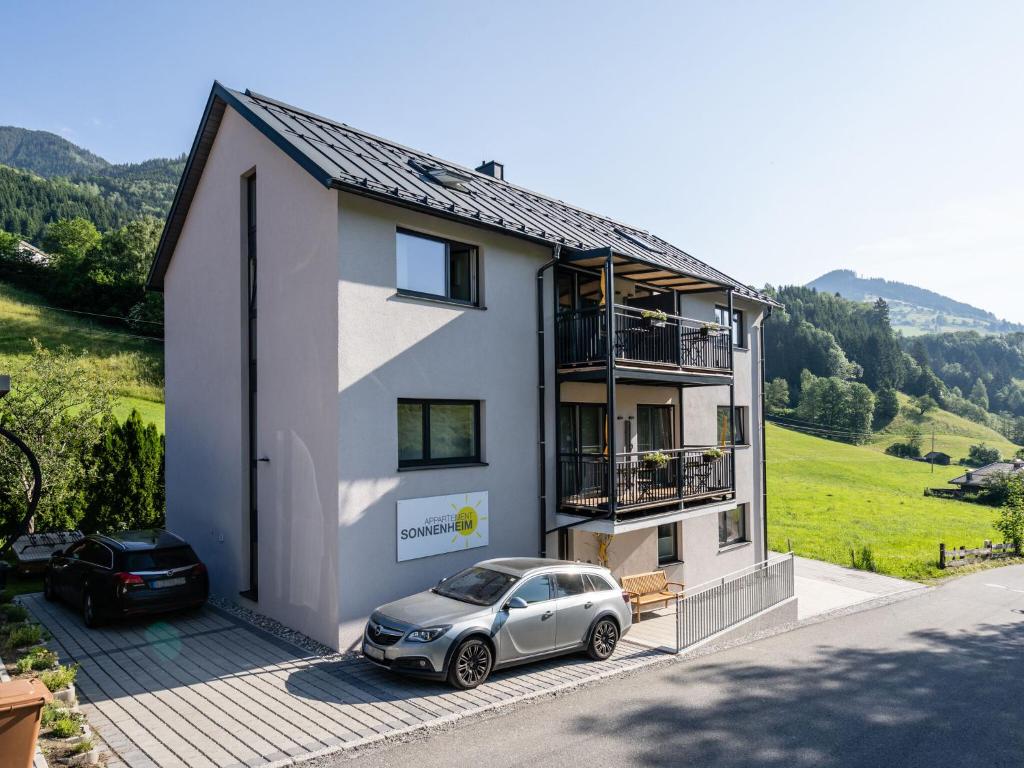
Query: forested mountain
913, 309
60, 180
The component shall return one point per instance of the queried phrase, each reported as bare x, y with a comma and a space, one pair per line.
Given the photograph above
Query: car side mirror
516, 602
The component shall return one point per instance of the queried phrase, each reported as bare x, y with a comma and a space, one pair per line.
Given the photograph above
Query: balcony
688, 477
677, 344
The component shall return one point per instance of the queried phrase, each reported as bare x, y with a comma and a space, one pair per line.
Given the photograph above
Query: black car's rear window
160, 559
480, 586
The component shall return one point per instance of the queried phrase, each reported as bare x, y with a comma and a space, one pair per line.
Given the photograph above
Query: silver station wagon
496, 614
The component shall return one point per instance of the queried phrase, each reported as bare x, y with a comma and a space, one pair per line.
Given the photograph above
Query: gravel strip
279, 630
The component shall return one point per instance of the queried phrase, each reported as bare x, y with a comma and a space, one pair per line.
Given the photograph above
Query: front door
531, 630
575, 609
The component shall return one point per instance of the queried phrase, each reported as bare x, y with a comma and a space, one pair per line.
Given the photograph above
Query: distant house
30, 253
937, 457
980, 478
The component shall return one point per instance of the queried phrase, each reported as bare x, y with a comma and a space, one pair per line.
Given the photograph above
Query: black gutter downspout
542, 404
764, 445
732, 394
609, 409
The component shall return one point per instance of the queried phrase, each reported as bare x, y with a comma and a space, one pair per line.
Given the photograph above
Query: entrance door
654, 428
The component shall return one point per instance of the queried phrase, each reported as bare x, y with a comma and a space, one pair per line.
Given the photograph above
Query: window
96, 554
536, 590
429, 266
438, 432
569, 584
668, 551
583, 428
161, 559
732, 526
654, 428
480, 586
724, 432
597, 583
722, 318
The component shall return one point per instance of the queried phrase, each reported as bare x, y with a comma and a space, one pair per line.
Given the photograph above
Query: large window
739, 339
436, 268
438, 432
654, 428
732, 526
724, 431
668, 547
583, 428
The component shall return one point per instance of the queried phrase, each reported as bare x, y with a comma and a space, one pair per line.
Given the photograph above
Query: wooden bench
649, 589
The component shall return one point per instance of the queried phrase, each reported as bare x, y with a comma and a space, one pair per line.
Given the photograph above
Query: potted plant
654, 318
655, 460
61, 683
710, 329
711, 454
85, 752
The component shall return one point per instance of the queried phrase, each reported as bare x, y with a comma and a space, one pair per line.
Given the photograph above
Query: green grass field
953, 434
137, 363
826, 497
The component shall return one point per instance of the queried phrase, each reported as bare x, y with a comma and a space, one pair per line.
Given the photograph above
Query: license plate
373, 653
162, 583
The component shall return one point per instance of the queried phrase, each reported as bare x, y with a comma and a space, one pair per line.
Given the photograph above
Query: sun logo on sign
467, 520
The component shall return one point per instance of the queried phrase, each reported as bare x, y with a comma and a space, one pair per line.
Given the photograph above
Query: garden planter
92, 757
65, 696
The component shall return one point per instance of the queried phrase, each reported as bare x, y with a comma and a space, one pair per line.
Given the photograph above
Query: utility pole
932, 462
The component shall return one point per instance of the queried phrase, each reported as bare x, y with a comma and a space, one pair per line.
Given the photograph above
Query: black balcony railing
677, 341
688, 474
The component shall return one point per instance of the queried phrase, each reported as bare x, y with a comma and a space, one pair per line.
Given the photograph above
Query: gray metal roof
986, 474
348, 159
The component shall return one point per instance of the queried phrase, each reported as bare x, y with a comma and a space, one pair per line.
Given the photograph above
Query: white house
382, 367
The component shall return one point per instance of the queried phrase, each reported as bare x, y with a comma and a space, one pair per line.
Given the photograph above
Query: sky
774, 140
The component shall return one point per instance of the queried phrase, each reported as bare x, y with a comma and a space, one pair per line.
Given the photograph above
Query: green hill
953, 434
136, 362
828, 497
46, 154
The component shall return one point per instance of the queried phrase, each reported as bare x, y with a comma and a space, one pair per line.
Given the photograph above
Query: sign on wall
438, 524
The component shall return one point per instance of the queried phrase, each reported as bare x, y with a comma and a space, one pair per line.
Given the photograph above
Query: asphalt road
933, 680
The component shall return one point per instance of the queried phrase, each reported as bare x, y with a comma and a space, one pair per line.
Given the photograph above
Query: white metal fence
710, 608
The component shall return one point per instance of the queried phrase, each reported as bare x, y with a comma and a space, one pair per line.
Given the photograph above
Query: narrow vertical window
250, 250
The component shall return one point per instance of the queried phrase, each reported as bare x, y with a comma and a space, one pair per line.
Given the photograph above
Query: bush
37, 658
59, 678
13, 614
904, 451
51, 713
65, 726
980, 455
85, 745
26, 634
863, 559
6, 597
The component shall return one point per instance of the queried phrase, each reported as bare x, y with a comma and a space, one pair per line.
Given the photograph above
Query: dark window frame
650, 407
723, 540
674, 557
474, 267
740, 419
575, 408
526, 582
427, 461
739, 331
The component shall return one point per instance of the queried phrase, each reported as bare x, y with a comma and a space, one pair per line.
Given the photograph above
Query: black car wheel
48, 592
603, 640
471, 664
89, 610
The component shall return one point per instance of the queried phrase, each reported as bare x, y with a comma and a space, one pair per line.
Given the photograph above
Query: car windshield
480, 586
160, 559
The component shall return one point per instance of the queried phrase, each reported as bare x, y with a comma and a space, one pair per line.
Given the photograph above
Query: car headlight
427, 634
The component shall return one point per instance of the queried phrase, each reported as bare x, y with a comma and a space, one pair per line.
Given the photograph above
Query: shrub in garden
85, 745
25, 634
66, 725
5, 596
59, 678
37, 658
13, 613
51, 713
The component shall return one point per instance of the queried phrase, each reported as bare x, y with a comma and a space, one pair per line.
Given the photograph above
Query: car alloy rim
604, 638
473, 664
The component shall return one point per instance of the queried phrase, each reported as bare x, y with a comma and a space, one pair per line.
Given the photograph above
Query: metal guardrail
710, 608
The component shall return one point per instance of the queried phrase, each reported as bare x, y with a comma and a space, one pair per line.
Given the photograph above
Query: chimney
492, 168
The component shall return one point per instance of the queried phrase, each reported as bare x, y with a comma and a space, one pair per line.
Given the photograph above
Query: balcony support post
732, 397
609, 307
681, 455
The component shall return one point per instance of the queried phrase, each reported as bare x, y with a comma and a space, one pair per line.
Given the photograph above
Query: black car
125, 574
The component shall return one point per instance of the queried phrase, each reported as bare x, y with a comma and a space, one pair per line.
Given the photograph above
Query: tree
887, 406
915, 437
71, 240
1010, 521
925, 403
979, 455
846, 408
124, 489
55, 405
776, 395
979, 394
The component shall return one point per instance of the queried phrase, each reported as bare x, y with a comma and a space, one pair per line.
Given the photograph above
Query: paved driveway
823, 587
206, 689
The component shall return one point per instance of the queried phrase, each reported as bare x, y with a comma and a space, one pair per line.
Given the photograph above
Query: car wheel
48, 592
471, 664
89, 616
603, 640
